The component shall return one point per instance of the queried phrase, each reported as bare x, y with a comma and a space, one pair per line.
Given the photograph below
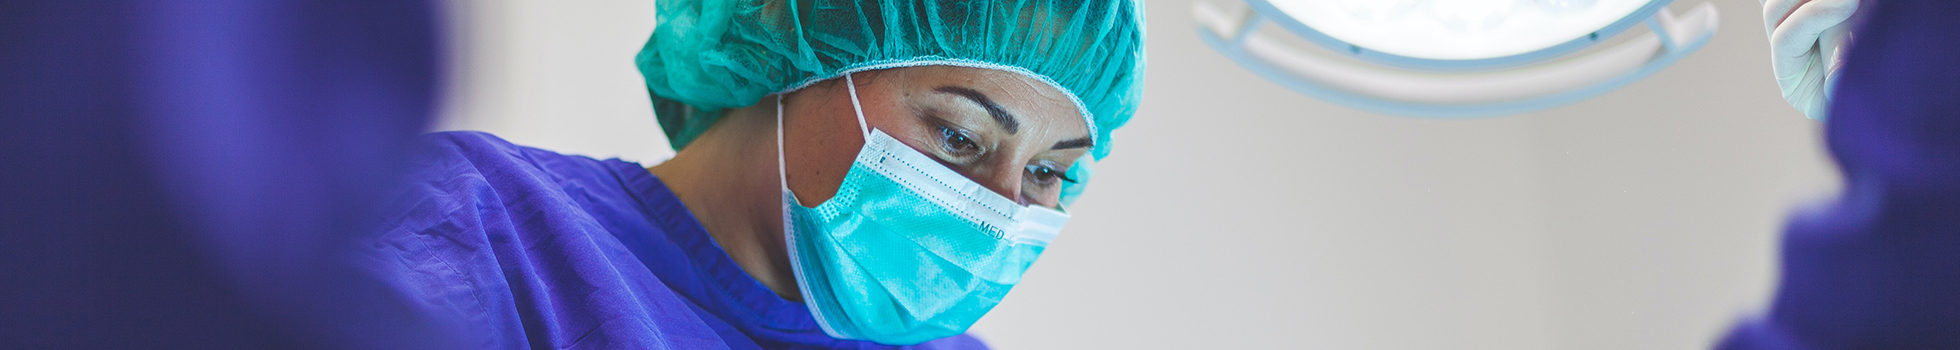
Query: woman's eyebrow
1006, 120
1079, 142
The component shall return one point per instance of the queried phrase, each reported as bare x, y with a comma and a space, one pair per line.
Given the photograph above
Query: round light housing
1455, 58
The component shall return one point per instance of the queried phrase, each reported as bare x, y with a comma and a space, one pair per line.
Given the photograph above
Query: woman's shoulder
473, 171
448, 154
504, 240
466, 146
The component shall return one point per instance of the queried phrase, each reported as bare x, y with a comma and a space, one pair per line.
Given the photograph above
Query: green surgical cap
708, 56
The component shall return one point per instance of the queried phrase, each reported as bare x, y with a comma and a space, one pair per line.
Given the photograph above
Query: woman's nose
1003, 180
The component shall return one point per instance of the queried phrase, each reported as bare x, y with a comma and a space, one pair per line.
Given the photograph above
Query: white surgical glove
1804, 36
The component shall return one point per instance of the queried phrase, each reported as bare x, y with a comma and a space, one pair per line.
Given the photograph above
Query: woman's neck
727, 178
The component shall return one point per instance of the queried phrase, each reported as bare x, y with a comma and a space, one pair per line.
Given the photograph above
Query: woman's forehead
1020, 93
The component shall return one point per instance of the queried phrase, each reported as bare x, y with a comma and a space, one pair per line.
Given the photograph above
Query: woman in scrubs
849, 175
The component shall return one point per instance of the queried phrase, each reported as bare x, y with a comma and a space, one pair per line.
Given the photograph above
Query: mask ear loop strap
862, 127
782, 169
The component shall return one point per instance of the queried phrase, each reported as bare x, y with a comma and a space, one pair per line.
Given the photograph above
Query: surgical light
1455, 58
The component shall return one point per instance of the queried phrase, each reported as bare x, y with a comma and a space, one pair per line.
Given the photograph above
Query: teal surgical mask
907, 250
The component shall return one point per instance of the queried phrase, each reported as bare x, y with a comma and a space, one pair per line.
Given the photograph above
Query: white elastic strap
782, 170
862, 127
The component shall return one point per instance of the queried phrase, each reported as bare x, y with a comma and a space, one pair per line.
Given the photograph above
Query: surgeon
850, 174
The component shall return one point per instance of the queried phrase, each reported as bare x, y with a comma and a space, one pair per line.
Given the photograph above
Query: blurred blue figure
1879, 267
190, 174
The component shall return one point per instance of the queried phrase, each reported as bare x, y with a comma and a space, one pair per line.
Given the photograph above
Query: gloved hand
1804, 36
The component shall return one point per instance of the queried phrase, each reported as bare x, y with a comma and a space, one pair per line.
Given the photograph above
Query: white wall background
554, 74
1237, 214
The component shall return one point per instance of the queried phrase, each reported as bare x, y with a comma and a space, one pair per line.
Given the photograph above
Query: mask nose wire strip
862, 127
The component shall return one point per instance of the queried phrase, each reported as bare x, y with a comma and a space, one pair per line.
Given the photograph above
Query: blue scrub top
522, 247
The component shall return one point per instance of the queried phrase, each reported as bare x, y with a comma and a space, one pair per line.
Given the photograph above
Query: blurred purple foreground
186, 174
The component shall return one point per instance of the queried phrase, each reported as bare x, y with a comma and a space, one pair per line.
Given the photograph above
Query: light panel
1459, 29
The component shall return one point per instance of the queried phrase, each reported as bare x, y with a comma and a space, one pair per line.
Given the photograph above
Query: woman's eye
1043, 174
957, 141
